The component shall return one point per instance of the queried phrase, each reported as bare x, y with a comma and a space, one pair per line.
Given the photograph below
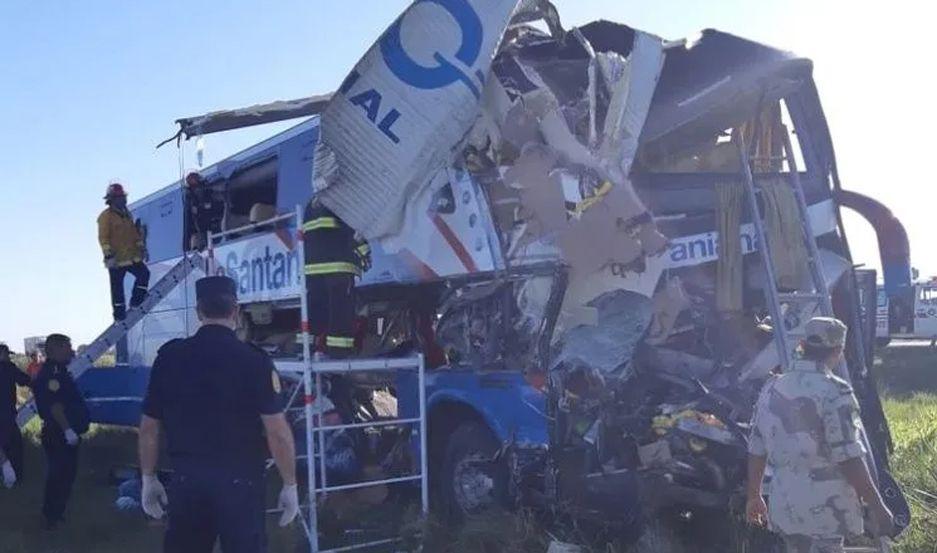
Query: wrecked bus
579, 278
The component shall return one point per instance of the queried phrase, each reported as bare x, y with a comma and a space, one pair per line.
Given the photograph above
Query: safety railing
212, 237
313, 371
316, 437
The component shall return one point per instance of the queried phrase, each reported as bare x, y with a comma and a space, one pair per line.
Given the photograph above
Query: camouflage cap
825, 332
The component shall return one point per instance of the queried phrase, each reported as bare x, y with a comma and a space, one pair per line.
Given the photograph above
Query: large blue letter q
446, 73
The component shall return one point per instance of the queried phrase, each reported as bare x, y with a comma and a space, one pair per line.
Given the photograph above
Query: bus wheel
471, 482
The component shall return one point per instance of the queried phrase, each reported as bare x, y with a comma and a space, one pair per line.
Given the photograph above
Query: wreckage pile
569, 204
656, 354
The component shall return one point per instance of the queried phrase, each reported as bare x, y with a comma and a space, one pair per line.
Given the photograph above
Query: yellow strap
321, 222
586, 203
329, 268
364, 249
339, 342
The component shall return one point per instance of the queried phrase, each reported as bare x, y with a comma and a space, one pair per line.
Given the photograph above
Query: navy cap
215, 286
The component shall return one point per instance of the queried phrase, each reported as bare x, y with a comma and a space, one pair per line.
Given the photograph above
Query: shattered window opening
718, 155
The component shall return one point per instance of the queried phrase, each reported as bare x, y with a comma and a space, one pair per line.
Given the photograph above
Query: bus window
251, 195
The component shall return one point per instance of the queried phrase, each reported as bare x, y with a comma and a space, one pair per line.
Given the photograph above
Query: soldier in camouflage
807, 428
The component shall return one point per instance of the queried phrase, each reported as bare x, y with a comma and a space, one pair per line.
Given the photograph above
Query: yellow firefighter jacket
119, 237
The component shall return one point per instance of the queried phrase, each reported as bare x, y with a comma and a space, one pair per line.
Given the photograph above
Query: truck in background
910, 315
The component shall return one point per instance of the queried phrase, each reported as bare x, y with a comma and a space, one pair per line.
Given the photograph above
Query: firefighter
65, 418
219, 402
206, 209
11, 439
124, 250
334, 256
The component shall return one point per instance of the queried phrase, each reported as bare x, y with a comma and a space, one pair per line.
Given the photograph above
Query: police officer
65, 418
216, 398
334, 256
807, 427
11, 439
122, 244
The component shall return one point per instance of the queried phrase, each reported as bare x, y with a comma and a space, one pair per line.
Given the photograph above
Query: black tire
466, 487
882, 342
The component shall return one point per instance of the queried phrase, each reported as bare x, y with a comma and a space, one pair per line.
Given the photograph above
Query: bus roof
231, 164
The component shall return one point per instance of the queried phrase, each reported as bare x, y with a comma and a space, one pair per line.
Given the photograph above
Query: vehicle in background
909, 315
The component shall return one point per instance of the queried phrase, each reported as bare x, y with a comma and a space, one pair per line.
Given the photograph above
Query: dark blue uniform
11, 440
55, 386
209, 392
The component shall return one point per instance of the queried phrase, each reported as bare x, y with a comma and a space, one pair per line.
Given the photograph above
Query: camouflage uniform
806, 422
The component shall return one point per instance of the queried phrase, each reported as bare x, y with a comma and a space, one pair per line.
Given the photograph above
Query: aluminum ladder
820, 294
110, 337
775, 297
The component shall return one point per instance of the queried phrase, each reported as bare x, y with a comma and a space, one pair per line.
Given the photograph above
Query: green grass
914, 465
92, 524
906, 370
908, 379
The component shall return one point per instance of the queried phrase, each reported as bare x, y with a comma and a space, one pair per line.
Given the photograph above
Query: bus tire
469, 482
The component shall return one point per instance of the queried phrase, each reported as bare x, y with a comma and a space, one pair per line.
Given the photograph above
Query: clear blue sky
88, 89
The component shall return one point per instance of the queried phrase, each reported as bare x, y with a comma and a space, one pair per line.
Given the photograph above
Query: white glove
71, 438
9, 475
153, 496
289, 503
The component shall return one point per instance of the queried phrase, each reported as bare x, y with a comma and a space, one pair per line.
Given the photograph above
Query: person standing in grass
11, 439
807, 428
218, 401
65, 418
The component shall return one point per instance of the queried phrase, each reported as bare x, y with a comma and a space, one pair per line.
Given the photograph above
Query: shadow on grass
903, 370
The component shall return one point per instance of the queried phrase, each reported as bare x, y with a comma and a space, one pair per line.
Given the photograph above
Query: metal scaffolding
313, 368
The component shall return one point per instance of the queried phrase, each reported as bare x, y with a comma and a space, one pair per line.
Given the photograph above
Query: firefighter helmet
114, 189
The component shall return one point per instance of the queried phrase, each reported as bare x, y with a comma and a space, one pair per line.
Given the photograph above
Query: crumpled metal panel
405, 105
623, 317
